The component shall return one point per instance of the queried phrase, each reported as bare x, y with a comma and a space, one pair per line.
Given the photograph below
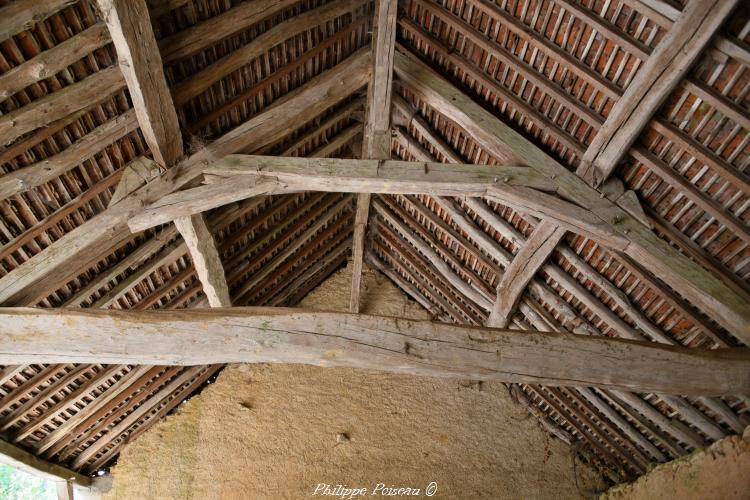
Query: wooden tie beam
281, 335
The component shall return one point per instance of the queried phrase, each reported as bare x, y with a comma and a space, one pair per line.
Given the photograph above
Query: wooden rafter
556, 273
50, 269
376, 143
27, 462
279, 335
692, 281
87, 147
59, 105
662, 73
295, 25
51, 61
130, 28
22, 15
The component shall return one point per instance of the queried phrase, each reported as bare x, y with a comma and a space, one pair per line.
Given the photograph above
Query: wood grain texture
211, 31
376, 143
51, 61
23, 14
651, 86
59, 104
48, 270
694, 283
138, 54
240, 176
526, 263
381, 176
86, 147
358, 249
198, 82
279, 335
200, 242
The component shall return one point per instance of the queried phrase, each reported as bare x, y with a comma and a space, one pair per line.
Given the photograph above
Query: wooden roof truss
558, 178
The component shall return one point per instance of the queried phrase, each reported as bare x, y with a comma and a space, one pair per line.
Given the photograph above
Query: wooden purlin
91, 204
641, 408
696, 284
651, 86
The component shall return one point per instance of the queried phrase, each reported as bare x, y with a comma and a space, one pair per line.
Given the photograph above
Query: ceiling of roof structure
553, 71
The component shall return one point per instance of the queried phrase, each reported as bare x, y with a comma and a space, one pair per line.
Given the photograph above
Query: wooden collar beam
694, 283
241, 176
281, 335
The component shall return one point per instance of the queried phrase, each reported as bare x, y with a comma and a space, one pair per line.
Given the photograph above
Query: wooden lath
14, 286
552, 69
665, 68
589, 275
296, 277
699, 286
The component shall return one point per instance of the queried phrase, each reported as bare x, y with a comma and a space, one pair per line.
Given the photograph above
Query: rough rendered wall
720, 471
276, 431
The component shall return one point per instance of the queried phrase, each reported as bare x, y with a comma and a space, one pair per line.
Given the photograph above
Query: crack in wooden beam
251, 335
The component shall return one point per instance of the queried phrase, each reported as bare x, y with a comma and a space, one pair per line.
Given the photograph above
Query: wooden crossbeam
376, 143
532, 256
694, 283
130, 27
206, 260
278, 335
651, 86
51, 268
